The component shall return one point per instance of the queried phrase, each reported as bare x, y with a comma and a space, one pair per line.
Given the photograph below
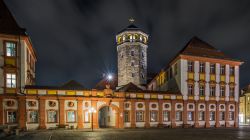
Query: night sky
75, 39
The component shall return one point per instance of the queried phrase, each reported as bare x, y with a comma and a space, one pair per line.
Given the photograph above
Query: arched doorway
108, 117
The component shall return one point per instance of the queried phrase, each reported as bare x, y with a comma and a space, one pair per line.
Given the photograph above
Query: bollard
17, 132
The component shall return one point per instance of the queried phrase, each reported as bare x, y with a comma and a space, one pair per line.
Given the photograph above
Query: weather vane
131, 20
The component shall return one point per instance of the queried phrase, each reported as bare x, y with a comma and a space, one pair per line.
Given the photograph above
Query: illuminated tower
132, 55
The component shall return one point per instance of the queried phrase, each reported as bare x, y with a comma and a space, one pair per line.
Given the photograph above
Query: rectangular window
10, 49
222, 70
212, 68
212, 116
190, 116
140, 116
11, 80
190, 90
132, 53
231, 115
201, 116
126, 116
166, 116
52, 116
133, 75
231, 71
190, 66
11, 117
222, 116
132, 63
86, 116
71, 117
178, 116
202, 67
231, 91
222, 91
202, 90
153, 116
212, 90
32, 116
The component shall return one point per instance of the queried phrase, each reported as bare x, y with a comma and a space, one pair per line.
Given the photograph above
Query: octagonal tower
132, 55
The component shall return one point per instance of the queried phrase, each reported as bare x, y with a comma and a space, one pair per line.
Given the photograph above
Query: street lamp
91, 111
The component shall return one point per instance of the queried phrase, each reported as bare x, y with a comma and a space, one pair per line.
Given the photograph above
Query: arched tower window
145, 40
123, 38
132, 63
132, 53
130, 38
119, 40
142, 76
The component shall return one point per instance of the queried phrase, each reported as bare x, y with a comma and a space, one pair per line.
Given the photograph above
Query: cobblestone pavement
136, 134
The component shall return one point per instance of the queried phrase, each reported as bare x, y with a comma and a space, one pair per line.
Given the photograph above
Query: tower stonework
132, 56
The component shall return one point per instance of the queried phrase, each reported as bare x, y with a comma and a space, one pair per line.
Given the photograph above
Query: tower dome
132, 55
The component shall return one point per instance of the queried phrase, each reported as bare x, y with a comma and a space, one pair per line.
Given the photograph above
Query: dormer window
231, 71
222, 70
202, 67
190, 66
212, 68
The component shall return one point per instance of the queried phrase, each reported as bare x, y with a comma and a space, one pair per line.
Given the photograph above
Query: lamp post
91, 111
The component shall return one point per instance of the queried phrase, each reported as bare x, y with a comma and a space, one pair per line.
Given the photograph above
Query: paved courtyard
136, 134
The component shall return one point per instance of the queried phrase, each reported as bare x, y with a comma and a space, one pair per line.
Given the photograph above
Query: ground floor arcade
45, 112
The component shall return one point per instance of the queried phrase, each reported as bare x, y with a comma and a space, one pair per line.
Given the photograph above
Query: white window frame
153, 116
178, 115
11, 80
10, 49
52, 119
201, 115
166, 116
32, 116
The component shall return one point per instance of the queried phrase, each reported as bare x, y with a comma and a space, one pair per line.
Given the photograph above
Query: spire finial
131, 20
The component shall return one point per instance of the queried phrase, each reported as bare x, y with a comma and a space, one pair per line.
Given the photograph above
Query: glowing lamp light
92, 110
110, 77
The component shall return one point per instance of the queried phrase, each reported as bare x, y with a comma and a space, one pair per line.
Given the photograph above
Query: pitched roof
130, 87
246, 89
72, 85
102, 84
8, 24
131, 27
198, 47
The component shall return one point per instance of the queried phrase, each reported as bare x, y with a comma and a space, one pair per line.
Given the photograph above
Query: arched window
123, 38
119, 40
145, 40
142, 76
130, 38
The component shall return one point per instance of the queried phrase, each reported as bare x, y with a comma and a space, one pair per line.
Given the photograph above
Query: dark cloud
75, 39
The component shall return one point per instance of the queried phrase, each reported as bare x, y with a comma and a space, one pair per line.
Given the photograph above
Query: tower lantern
132, 44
